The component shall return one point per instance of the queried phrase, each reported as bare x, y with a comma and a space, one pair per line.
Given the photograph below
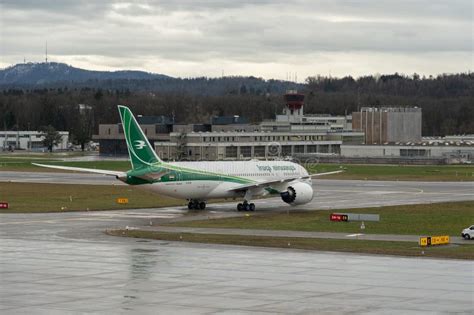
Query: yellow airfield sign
122, 201
434, 240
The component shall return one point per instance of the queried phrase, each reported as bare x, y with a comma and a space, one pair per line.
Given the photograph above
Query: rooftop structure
154, 120
229, 120
293, 118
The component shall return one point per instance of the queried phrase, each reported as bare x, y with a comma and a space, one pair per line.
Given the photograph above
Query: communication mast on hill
46, 51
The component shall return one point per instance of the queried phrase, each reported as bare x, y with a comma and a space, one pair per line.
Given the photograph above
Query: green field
397, 172
426, 219
356, 246
26, 197
22, 163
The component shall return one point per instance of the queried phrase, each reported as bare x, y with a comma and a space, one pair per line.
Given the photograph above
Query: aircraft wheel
190, 205
252, 207
247, 207
240, 207
202, 205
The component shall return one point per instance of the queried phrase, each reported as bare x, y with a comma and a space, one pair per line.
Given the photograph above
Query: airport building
112, 140
29, 140
388, 124
453, 152
289, 134
372, 133
233, 137
232, 145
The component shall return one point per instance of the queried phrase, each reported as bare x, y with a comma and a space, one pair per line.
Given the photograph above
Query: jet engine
297, 194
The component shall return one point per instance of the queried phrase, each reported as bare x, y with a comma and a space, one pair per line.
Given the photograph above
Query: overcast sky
262, 38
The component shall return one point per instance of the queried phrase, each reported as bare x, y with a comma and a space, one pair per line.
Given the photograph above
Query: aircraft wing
279, 181
86, 170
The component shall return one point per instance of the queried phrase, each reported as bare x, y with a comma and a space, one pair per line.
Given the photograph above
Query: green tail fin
139, 149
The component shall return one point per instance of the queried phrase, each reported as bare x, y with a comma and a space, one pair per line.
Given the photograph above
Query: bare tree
51, 137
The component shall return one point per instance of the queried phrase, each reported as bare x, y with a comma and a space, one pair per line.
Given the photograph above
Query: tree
83, 125
82, 134
51, 137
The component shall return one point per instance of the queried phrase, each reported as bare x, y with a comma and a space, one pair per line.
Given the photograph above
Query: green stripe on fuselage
175, 173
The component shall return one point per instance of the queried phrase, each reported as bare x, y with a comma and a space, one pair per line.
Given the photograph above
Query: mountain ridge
54, 75
54, 72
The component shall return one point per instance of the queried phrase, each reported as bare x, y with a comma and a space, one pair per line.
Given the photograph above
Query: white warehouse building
29, 140
448, 150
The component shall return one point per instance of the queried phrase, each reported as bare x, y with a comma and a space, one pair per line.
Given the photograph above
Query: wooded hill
447, 101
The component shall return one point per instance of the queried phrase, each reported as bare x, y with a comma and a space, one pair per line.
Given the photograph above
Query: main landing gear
196, 205
245, 206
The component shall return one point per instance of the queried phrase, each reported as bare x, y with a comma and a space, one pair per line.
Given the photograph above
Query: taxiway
63, 262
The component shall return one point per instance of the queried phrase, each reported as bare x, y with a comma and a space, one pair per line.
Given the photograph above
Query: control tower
294, 106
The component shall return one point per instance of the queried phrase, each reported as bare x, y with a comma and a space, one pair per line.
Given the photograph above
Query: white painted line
354, 235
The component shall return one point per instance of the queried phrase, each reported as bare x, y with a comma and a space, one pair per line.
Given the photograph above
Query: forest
447, 101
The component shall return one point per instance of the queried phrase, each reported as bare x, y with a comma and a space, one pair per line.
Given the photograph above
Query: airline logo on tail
139, 144
140, 151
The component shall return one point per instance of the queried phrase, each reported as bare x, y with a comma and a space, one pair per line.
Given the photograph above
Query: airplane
200, 181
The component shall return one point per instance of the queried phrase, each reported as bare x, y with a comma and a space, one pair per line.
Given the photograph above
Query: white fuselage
238, 171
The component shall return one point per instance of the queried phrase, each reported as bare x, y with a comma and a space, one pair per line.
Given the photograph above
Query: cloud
254, 37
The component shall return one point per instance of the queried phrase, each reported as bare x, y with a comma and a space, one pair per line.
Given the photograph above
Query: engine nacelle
297, 194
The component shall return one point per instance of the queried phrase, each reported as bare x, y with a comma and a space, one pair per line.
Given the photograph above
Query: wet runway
63, 262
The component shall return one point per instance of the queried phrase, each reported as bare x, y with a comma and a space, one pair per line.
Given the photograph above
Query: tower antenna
46, 51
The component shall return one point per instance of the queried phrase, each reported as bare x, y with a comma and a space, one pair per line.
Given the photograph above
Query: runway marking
457, 193
54, 221
418, 191
374, 185
366, 191
354, 235
386, 192
96, 218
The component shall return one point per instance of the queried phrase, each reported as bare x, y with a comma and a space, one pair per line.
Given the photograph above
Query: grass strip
353, 171
353, 246
424, 219
396, 172
32, 197
24, 165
